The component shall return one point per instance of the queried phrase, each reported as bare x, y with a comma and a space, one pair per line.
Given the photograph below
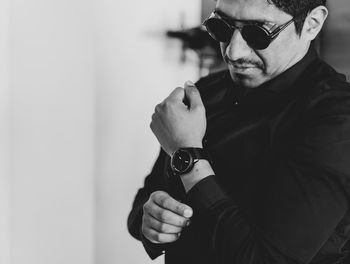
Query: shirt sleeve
153, 182
304, 197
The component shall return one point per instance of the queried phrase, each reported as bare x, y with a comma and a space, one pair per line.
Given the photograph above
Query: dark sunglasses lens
218, 29
256, 37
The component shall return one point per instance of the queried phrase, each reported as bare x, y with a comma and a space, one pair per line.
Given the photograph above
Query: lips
243, 69
242, 66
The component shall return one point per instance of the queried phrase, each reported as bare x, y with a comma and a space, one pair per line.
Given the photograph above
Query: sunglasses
255, 34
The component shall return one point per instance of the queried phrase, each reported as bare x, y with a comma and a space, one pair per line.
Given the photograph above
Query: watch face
181, 161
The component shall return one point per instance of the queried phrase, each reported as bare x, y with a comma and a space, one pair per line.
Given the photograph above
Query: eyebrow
225, 16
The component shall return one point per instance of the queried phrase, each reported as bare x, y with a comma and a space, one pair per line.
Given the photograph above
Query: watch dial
181, 160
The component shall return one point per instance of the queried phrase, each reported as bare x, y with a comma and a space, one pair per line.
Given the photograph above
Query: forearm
232, 237
221, 218
290, 229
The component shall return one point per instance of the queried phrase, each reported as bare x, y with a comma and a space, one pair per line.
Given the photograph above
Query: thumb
193, 95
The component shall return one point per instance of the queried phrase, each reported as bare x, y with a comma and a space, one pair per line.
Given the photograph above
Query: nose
237, 48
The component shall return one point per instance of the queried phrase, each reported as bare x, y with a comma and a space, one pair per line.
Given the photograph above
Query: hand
164, 218
176, 124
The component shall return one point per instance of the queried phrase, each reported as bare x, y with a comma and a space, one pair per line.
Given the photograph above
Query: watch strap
199, 153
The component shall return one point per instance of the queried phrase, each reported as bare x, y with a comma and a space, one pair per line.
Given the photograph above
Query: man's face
251, 68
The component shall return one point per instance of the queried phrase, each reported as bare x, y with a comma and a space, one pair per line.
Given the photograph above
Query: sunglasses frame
271, 33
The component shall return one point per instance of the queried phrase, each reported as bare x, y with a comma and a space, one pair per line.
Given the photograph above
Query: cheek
277, 56
268, 59
264, 59
223, 47
287, 48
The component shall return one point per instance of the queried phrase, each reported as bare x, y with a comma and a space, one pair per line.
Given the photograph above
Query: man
254, 166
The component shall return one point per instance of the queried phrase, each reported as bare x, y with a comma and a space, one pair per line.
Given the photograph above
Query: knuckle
154, 116
162, 227
144, 230
167, 104
152, 195
153, 237
153, 123
163, 201
182, 222
179, 89
155, 196
158, 108
179, 209
158, 237
163, 215
145, 207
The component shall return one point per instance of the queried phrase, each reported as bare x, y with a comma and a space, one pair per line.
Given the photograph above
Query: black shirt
281, 155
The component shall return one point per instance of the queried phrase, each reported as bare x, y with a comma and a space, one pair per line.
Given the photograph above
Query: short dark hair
297, 7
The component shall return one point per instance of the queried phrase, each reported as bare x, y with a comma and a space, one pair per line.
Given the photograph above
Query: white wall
79, 80
336, 36
52, 117
4, 137
136, 68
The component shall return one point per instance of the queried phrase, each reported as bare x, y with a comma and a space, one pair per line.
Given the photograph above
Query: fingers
177, 94
157, 237
160, 226
189, 96
164, 215
193, 95
165, 201
189, 84
164, 218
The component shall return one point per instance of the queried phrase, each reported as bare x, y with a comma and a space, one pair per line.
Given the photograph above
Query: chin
246, 81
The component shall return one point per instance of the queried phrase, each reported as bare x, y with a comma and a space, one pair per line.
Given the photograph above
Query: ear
314, 22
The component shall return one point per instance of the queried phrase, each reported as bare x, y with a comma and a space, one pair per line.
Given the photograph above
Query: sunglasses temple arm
278, 30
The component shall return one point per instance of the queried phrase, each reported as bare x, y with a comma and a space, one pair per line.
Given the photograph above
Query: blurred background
79, 80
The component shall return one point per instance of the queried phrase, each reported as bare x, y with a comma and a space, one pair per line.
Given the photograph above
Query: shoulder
329, 93
321, 110
322, 137
326, 113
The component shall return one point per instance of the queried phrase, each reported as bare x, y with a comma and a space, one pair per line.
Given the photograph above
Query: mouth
242, 68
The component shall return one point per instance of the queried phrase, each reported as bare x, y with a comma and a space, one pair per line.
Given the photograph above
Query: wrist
193, 145
201, 170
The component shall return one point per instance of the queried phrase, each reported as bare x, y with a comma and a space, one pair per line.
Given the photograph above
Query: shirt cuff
205, 194
153, 250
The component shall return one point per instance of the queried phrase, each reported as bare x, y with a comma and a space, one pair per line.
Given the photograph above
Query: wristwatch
183, 159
